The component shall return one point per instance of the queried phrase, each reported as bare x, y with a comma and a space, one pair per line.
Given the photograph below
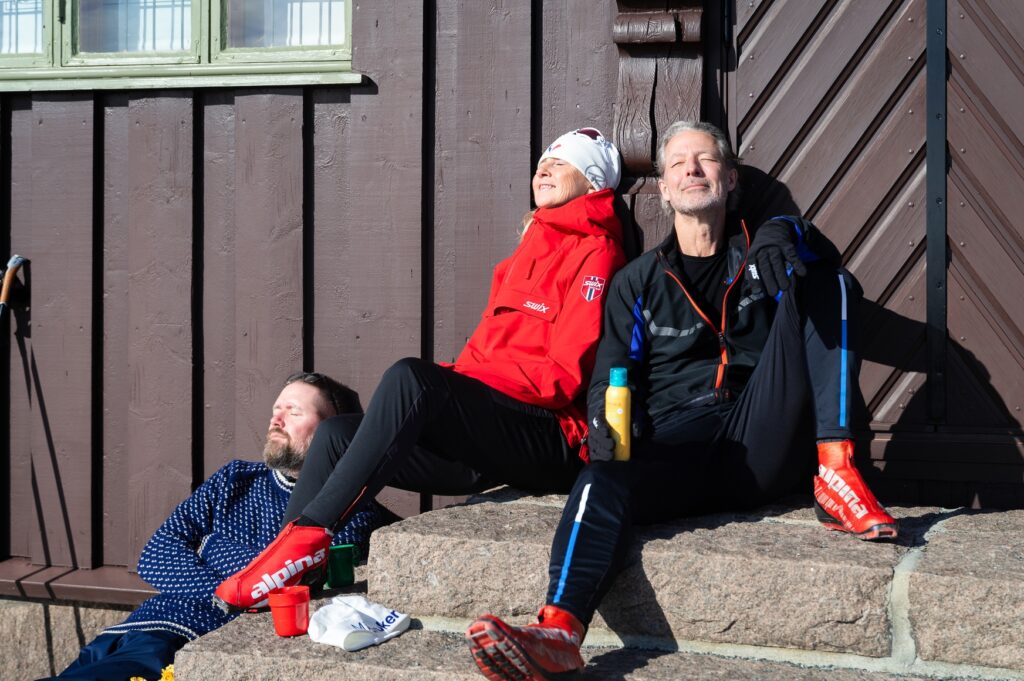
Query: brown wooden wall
191, 248
829, 101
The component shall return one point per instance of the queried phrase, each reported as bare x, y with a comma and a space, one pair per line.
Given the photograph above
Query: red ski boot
537, 652
297, 555
843, 501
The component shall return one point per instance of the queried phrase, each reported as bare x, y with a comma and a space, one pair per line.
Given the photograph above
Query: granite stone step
766, 594
772, 578
950, 590
245, 652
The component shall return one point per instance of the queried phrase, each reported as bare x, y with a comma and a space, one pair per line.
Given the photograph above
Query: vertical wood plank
368, 240
678, 93
117, 458
159, 418
268, 262
482, 156
219, 254
22, 521
579, 67
332, 230
633, 125
652, 220
6, 355
61, 366
367, 208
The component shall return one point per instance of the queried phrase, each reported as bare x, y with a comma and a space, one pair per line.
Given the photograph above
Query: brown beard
286, 456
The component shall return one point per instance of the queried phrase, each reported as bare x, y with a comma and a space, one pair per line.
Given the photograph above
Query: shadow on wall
926, 461
44, 463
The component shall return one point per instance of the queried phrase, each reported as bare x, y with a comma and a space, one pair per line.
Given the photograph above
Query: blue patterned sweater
211, 535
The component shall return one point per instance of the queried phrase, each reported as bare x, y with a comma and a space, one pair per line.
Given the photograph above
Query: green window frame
207, 61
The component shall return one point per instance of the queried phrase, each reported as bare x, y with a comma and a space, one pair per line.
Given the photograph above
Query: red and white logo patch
592, 287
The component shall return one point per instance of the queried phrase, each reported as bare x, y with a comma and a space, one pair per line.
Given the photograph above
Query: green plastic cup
341, 563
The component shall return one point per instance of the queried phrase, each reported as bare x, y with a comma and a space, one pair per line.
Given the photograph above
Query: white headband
590, 153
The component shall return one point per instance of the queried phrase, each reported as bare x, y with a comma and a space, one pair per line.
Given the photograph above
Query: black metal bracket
936, 164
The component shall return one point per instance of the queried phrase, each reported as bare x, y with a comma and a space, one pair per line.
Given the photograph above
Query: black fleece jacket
677, 357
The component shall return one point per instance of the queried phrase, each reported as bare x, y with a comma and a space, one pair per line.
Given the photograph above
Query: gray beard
284, 456
696, 209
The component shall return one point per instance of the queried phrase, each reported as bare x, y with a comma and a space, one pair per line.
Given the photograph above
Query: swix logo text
539, 307
592, 287
843, 490
280, 578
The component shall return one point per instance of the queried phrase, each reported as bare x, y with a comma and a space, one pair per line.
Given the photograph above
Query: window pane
286, 23
21, 26
134, 25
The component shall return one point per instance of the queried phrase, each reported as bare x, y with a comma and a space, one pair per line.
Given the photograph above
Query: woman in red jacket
510, 410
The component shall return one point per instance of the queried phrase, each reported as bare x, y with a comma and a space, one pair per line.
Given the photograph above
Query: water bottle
617, 411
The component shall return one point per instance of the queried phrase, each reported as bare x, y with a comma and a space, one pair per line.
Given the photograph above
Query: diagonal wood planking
768, 43
986, 146
875, 90
835, 112
797, 97
877, 170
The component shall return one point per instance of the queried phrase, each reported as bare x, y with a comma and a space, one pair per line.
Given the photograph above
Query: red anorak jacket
537, 339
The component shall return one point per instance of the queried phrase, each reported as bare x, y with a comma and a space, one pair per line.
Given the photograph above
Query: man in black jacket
741, 354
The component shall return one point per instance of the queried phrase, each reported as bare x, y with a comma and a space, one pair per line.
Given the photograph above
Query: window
21, 32
133, 26
95, 44
285, 23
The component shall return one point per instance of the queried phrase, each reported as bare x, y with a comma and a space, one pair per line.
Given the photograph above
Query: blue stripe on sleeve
636, 343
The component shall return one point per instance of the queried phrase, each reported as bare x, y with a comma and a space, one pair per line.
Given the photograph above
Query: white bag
353, 623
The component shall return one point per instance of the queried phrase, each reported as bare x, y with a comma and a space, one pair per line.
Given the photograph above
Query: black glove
773, 258
600, 441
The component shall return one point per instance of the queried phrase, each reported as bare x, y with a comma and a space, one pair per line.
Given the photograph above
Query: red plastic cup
289, 607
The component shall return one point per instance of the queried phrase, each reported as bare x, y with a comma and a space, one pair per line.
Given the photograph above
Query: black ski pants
430, 429
734, 455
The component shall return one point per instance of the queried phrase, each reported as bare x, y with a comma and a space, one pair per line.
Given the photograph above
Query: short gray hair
721, 141
732, 161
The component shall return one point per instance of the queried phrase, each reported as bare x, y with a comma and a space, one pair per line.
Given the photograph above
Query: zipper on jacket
720, 329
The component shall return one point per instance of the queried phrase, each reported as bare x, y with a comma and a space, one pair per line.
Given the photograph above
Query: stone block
770, 578
40, 639
247, 650
642, 665
967, 593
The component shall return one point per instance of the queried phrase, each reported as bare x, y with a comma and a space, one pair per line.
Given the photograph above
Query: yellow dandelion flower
166, 675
